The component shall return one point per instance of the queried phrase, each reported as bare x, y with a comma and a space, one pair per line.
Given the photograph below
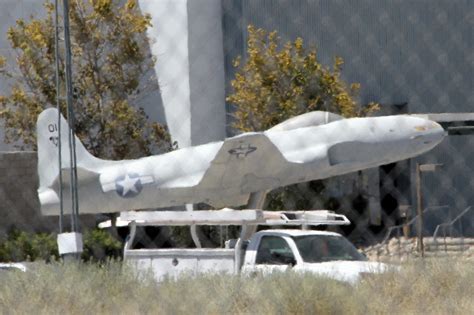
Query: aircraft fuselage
225, 173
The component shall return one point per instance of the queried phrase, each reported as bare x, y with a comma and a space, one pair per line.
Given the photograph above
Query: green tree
111, 62
277, 82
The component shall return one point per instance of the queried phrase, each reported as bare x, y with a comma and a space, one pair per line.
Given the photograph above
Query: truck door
273, 254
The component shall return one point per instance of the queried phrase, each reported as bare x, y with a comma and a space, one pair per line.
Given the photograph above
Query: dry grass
433, 287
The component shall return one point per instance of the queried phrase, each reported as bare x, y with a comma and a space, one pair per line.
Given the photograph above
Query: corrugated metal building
412, 56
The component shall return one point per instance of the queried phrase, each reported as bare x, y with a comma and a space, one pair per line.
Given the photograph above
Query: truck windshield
321, 248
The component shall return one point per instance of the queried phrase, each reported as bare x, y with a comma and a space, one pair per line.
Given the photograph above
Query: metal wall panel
419, 51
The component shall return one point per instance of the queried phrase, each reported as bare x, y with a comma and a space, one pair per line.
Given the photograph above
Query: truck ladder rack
230, 217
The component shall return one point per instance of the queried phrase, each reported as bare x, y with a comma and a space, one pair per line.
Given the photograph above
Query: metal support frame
70, 118
256, 201
58, 92
130, 238
70, 245
193, 229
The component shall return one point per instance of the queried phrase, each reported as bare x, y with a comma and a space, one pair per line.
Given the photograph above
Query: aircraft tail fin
48, 153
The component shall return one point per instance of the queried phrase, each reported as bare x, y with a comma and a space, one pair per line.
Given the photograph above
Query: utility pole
69, 244
58, 107
70, 115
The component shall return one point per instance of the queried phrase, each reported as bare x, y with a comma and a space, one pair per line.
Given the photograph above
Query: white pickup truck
325, 253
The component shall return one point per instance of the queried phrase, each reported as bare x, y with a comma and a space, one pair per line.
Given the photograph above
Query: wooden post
421, 247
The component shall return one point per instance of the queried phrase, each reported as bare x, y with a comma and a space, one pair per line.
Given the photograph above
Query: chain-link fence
411, 57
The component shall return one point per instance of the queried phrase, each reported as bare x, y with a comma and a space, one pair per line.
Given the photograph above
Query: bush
23, 246
100, 245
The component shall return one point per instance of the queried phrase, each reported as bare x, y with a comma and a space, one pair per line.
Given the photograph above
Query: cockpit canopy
310, 119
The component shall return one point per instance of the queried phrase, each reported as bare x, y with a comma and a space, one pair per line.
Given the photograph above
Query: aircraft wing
83, 176
251, 160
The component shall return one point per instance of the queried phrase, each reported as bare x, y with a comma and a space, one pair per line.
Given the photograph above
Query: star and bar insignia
242, 150
128, 186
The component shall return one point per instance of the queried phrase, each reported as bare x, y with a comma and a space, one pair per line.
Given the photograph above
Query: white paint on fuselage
178, 175
306, 149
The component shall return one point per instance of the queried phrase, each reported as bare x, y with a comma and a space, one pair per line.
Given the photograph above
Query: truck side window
274, 250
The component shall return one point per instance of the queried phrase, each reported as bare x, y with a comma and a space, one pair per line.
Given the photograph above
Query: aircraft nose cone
438, 129
436, 126
433, 132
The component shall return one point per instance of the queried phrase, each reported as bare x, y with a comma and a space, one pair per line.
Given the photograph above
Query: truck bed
172, 262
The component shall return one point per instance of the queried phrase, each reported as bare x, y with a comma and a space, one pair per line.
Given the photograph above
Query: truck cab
324, 253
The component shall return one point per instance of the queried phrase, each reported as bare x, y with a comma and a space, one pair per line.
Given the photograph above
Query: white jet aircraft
311, 146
